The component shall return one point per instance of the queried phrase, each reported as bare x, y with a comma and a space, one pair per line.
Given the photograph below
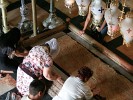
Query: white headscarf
54, 47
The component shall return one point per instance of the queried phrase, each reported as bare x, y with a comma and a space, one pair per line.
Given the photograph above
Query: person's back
8, 44
74, 88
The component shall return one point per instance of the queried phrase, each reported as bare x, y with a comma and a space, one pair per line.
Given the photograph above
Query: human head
37, 89
14, 36
11, 38
84, 73
54, 47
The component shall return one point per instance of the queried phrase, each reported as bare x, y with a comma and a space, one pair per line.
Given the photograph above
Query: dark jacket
8, 43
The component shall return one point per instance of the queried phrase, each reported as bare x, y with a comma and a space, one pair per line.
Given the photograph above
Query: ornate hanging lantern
126, 29
112, 15
69, 4
83, 6
25, 24
97, 8
52, 21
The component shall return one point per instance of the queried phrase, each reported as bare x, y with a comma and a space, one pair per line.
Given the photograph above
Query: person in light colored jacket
74, 87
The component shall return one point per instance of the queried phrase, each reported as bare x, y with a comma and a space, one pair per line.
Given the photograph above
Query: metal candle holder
3, 5
52, 21
25, 24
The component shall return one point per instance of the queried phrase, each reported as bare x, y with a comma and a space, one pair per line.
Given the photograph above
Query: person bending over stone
10, 47
36, 65
74, 87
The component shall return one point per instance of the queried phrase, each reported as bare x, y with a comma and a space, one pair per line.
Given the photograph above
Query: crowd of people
36, 67
36, 64
102, 20
11, 50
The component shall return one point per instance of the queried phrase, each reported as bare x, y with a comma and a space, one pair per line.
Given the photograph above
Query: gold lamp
82, 6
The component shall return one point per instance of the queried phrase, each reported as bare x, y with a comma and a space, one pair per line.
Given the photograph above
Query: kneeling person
74, 87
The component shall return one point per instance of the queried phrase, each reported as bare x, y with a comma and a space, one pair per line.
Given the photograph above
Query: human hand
96, 91
15, 96
11, 55
81, 32
60, 80
98, 29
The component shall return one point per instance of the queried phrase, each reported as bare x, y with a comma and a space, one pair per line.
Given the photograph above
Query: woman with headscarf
37, 64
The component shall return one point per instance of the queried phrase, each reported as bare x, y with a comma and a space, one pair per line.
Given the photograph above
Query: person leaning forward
9, 44
75, 88
37, 64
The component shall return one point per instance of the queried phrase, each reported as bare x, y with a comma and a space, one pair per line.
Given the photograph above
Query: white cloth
54, 47
25, 98
74, 89
23, 82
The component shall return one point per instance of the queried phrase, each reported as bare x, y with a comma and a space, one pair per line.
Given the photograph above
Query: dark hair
11, 38
36, 86
85, 72
46, 45
14, 35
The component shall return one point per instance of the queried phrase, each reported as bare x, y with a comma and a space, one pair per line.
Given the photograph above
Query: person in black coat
11, 53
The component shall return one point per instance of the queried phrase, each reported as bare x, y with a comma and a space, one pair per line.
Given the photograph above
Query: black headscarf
9, 40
